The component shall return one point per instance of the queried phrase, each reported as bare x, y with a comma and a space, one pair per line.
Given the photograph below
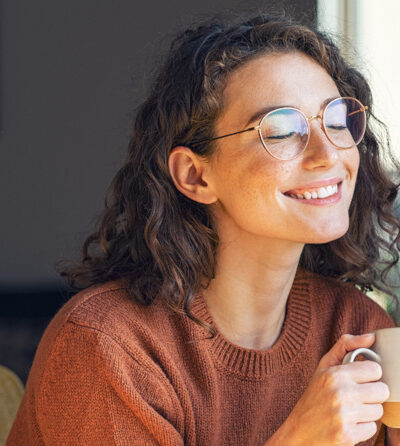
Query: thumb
345, 344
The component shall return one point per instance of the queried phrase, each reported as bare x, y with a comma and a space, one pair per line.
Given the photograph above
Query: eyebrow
260, 113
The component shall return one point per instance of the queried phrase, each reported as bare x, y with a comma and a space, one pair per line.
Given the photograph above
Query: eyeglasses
285, 132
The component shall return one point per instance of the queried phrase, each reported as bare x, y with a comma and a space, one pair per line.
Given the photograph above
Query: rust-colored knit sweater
109, 371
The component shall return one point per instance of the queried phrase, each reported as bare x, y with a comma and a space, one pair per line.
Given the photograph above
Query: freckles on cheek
352, 160
352, 164
259, 184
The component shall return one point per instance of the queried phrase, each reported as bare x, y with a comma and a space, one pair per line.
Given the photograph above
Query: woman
213, 312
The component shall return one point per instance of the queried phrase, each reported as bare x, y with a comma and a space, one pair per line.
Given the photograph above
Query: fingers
364, 431
372, 393
345, 344
369, 412
362, 371
354, 434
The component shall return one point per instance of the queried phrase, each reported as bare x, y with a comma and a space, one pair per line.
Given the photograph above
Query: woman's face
256, 191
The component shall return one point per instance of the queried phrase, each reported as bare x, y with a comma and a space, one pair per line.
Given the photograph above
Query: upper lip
316, 184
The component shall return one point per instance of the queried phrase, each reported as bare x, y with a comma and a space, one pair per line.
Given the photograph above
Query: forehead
276, 79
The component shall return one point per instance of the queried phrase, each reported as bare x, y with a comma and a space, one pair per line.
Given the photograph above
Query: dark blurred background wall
72, 73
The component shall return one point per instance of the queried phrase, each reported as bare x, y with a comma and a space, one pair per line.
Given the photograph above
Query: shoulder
343, 305
108, 315
111, 307
101, 354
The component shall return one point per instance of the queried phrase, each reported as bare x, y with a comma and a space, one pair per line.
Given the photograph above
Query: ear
188, 172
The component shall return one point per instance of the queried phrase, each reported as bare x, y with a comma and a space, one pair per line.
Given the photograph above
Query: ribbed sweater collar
259, 364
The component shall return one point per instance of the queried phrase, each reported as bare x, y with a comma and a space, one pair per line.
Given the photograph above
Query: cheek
265, 170
356, 160
245, 185
260, 179
353, 163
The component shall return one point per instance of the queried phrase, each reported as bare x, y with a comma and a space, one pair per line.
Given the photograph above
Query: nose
320, 153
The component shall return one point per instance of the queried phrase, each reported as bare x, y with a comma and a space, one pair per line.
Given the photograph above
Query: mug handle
351, 356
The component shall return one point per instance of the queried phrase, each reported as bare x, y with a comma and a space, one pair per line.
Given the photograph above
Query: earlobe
188, 174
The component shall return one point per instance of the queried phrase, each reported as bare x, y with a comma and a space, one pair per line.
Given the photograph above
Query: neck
247, 298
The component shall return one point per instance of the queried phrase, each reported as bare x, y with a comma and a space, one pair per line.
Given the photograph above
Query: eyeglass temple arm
359, 111
229, 134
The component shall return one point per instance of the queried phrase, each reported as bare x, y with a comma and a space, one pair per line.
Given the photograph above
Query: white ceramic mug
385, 351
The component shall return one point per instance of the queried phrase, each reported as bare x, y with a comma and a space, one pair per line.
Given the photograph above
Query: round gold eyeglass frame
320, 116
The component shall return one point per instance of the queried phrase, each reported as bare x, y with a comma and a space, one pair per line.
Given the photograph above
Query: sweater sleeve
357, 314
374, 317
93, 392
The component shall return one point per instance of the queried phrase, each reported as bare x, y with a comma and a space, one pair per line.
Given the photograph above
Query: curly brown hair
165, 244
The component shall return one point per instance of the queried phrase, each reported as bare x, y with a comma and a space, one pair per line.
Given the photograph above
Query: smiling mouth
317, 193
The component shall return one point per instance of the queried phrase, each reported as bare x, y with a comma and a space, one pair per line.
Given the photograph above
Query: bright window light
368, 34
367, 31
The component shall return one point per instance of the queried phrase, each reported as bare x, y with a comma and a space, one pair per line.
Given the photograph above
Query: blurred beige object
11, 392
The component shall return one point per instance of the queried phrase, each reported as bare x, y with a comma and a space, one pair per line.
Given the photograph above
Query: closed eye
277, 137
337, 127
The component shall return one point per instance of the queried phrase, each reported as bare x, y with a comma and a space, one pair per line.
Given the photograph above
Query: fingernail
368, 334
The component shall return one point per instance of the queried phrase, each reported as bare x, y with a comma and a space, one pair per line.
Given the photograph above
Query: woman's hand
341, 404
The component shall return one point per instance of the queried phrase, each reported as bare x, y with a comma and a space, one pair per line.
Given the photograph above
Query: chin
325, 239
326, 236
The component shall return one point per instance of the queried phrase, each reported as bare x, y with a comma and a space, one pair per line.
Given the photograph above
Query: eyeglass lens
285, 131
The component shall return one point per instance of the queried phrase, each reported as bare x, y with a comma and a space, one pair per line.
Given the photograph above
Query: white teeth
321, 192
328, 191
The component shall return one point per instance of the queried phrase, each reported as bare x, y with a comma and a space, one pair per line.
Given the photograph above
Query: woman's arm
92, 391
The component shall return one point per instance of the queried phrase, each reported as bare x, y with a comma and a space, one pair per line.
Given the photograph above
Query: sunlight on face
258, 195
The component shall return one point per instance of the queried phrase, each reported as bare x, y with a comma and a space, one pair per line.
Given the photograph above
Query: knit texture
109, 371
